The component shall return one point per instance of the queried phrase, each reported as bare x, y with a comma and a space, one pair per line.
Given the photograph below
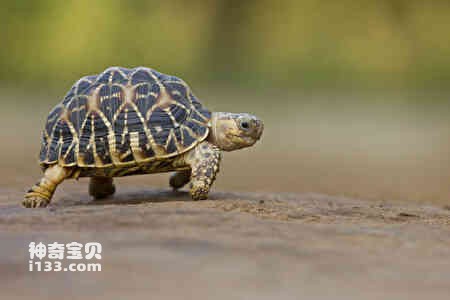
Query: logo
50, 257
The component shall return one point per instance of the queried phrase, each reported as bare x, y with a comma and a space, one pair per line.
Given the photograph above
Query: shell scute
144, 146
171, 146
118, 77
52, 119
69, 159
179, 114
141, 75
188, 139
178, 92
69, 96
83, 87
123, 148
44, 148
77, 111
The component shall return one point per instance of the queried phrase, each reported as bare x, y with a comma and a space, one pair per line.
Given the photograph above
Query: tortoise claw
199, 193
33, 200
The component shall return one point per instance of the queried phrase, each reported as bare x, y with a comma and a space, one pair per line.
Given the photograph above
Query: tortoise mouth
243, 140
259, 131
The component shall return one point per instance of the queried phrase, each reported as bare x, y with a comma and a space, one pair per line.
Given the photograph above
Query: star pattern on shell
123, 117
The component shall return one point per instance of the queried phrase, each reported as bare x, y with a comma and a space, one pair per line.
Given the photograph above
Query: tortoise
136, 121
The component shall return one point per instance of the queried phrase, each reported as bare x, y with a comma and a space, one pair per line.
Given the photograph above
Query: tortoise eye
245, 125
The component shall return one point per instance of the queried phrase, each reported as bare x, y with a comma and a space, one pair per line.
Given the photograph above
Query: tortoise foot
33, 200
101, 188
199, 193
179, 179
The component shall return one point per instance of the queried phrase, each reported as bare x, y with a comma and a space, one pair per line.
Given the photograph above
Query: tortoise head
230, 131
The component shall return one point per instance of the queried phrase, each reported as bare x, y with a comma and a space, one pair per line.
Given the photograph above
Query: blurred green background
354, 94
303, 43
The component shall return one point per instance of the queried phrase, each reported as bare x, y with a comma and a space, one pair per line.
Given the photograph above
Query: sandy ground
158, 244
269, 229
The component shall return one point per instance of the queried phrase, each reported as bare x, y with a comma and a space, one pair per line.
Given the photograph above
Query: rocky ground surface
160, 245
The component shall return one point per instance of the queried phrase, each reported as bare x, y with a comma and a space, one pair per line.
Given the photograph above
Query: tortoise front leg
179, 179
101, 187
204, 161
42, 192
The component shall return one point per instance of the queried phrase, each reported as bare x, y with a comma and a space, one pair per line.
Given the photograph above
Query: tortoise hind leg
42, 192
101, 187
179, 179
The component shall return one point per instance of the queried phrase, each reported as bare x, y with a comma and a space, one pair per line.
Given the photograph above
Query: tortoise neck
221, 124
213, 137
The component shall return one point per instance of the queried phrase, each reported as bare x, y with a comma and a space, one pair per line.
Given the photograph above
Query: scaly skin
42, 192
204, 161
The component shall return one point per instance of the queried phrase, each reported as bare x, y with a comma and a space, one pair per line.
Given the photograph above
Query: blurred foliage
297, 43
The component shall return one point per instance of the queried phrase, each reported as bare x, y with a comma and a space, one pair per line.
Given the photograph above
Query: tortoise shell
122, 117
